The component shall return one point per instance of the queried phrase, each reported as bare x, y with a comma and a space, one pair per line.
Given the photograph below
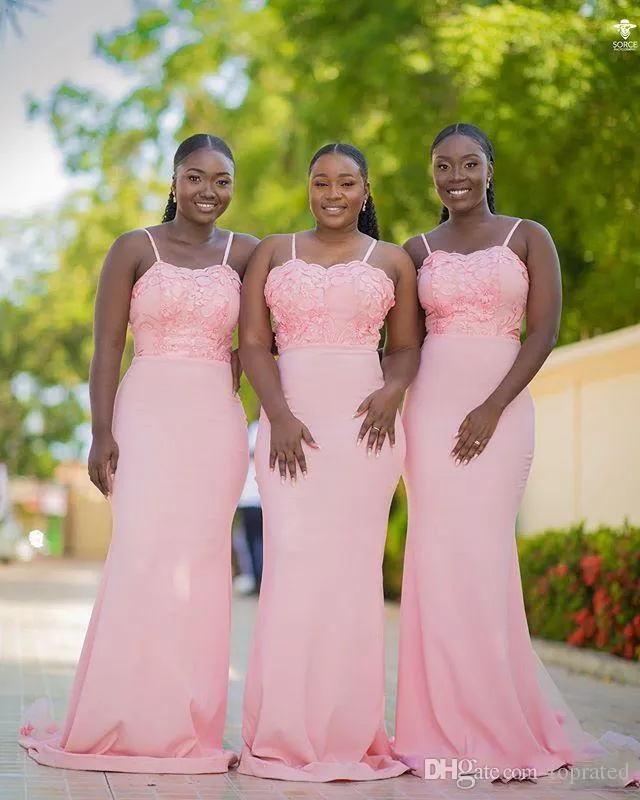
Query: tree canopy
277, 80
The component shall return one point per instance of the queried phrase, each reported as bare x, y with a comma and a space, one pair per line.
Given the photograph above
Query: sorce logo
625, 27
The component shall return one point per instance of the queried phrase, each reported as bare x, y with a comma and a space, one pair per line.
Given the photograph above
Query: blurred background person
249, 548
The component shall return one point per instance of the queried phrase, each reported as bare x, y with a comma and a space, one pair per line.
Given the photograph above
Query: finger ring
373, 428
477, 441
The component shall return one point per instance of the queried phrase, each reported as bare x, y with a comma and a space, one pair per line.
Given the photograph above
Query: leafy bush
584, 588
581, 588
394, 548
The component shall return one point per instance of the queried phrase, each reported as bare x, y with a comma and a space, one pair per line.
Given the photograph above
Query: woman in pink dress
469, 685
328, 457
151, 687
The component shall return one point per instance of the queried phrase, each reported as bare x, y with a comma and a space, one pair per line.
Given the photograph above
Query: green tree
279, 79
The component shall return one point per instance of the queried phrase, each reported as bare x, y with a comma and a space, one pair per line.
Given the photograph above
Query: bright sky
57, 45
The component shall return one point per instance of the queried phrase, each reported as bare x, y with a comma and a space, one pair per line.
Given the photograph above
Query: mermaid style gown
469, 684
150, 690
314, 696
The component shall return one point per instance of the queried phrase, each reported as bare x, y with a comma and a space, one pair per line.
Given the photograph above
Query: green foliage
394, 546
37, 413
279, 79
582, 588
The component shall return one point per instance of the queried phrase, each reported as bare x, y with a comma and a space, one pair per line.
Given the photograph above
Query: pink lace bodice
483, 293
185, 313
345, 304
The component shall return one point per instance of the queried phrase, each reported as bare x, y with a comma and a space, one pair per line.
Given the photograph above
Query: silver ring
373, 428
477, 441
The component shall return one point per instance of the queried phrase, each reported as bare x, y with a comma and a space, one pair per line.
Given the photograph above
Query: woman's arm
544, 305
417, 253
242, 248
400, 359
258, 362
109, 333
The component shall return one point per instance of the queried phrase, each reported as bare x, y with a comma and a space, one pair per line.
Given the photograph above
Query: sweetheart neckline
473, 252
332, 267
160, 262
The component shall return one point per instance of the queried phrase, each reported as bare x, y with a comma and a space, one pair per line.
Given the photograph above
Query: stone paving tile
44, 610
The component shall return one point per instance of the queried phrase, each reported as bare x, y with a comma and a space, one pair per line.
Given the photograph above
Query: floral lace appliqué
185, 313
483, 293
341, 305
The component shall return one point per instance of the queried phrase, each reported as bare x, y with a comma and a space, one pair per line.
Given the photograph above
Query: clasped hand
288, 432
475, 431
287, 435
381, 408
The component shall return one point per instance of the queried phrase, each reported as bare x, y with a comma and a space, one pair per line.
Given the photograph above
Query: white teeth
206, 205
458, 191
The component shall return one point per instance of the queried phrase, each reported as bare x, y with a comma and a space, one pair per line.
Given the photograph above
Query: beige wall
587, 461
87, 526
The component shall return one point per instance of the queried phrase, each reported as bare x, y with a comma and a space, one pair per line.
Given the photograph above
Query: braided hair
473, 132
367, 218
199, 141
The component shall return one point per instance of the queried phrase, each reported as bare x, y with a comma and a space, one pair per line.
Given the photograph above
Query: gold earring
364, 207
172, 195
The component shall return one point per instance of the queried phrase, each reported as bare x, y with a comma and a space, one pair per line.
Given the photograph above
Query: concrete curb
582, 661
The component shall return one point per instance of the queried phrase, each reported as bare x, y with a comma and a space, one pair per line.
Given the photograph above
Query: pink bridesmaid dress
150, 691
469, 684
314, 695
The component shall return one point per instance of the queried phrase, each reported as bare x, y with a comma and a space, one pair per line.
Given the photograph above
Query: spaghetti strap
153, 244
426, 244
227, 249
506, 241
370, 250
293, 247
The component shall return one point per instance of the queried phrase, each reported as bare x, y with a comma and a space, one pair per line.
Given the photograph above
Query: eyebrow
466, 155
202, 172
341, 175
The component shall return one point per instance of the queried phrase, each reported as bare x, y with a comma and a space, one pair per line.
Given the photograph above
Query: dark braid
367, 219
199, 141
170, 208
473, 132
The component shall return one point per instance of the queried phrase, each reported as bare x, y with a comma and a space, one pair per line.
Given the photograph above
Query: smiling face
203, 185
461, 173
337, 191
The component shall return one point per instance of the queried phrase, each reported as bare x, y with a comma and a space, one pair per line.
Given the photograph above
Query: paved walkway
44, 610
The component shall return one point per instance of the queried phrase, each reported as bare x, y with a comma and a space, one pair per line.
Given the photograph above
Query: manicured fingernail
377, 454
283, 480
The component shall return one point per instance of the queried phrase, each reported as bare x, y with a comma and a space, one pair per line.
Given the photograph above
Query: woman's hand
287, 434
381, 408
236, 370
103, 462
475, 431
